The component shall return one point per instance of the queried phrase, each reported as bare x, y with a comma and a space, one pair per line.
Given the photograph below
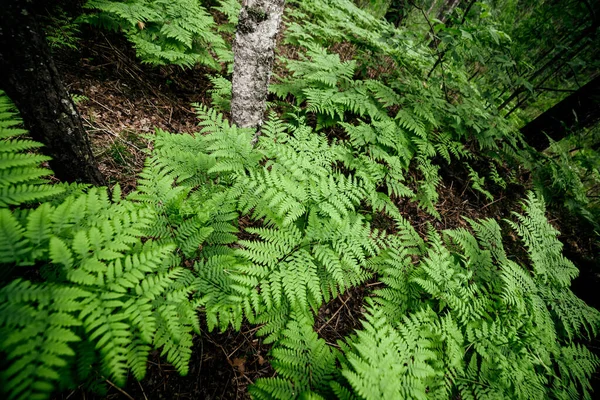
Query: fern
542, 244
505, 326
104, 297
61, 30
120, 285
299, 173
37, 326
268, 234
304, 362
162, 32
228, 144
231, 8
300, 270
553, 269
221, 93
20, 175
316, 247
385, 363
478, 183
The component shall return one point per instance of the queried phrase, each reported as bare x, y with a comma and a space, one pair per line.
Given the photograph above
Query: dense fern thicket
163, 32
95, 280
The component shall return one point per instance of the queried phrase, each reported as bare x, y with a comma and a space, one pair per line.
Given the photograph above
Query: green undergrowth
456, 315
163, 32
95, 280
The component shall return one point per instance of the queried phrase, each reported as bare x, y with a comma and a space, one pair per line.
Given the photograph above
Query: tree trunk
431, 7
436, 41
29, 77
579, 110
254, 49
447, 7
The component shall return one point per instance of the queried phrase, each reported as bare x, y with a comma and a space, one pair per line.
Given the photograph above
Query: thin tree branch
555, 90
442, 54
439, 56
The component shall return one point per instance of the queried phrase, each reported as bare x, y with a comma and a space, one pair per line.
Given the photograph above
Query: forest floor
124, 101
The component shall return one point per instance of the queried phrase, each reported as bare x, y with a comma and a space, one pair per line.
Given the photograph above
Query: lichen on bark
254, 49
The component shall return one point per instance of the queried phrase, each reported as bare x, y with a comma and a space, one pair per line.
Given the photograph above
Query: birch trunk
446, 10
254, 49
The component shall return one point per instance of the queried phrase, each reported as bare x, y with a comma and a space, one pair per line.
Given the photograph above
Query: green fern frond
389, 364
303, 361
221, 93
540, 238
20, 174
478, 182
162, 32
37, 329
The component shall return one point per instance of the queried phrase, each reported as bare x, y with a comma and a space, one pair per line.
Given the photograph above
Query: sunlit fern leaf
540, 238
387, 364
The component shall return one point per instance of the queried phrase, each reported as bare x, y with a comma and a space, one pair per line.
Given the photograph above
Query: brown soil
125, 100
222, 366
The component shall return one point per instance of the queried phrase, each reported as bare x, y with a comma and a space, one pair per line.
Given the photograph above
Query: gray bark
254, 49
447, 7
433, 3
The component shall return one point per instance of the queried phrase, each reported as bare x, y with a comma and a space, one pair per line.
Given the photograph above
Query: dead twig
105, 128
142, 389
495, 201
334, 314
124, 393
